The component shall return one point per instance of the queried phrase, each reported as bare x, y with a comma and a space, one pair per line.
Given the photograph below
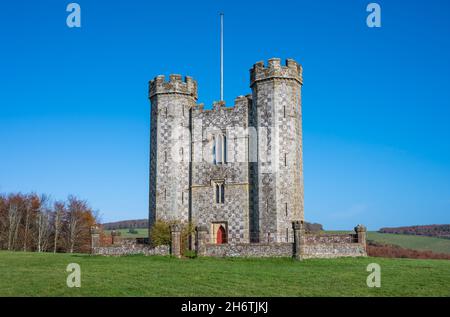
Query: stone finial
360, 228
95, 230
175, 228
296, 225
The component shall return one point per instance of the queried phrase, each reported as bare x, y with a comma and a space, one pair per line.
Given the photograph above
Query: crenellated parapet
239, 103
175, 85
243, 101
274, 70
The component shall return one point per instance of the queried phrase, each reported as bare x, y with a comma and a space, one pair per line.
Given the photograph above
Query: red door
221, 235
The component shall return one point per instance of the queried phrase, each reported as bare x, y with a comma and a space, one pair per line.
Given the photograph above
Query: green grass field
142, 233
34, 274
437, 245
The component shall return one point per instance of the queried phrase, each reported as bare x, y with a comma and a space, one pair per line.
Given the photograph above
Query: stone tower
170, 146
278, 174
236, 171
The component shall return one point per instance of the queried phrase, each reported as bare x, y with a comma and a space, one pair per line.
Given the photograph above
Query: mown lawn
33, 274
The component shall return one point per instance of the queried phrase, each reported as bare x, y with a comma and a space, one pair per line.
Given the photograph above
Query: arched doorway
221, 235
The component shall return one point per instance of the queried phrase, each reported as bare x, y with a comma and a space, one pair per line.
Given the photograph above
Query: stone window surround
219, 190
219, 148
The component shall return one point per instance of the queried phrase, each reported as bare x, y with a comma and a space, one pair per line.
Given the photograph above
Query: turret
171, 104
175, 85
278, 173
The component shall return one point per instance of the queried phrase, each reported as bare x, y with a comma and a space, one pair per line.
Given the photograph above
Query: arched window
219, 149
217, 187
224, 149
214, 151
219, 191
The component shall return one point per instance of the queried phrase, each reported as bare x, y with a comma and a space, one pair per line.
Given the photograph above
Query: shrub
160, 234
132, 231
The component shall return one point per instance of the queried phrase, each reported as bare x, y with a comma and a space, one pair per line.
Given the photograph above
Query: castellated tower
171, 103
236, 172
278, 179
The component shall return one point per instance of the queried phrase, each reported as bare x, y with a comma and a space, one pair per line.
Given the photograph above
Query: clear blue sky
74, 113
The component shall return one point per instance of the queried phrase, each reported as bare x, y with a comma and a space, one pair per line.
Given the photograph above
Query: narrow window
166, 111
182, 197
219, 149
284, 111
285, 159
222, 193
287, 235
165, 194
182, 155
217, 193
214, 151
286, 209
165, 156
224, 152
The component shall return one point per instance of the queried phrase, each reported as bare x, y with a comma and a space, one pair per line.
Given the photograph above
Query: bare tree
78, 221
30, 202
14, 217
3, 221
43, 226
59, 211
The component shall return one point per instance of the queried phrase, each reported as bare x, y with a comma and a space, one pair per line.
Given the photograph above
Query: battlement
240, 101
175, 85
274, 69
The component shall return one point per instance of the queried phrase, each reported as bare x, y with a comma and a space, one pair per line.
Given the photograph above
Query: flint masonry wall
276, 94
307, 246
341, 247
130, 247
230, 122
171, 103
311, 246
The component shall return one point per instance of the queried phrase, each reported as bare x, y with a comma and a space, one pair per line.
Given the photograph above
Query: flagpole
221, 56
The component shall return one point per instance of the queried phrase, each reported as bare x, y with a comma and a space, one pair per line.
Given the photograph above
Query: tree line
31, 222
438, 231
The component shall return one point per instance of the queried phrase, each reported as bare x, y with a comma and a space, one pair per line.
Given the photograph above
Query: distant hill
143, 223
126, 224
409, 241
438, 231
